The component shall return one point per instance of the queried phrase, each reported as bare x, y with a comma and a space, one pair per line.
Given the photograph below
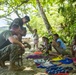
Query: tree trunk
44, 18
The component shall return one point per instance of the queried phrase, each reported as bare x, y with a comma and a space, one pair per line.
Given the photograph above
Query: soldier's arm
15, 41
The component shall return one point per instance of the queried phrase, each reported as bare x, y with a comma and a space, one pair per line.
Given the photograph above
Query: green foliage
61, 15
37, 23
67, 10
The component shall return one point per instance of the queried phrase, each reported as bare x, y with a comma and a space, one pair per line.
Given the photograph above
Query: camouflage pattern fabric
17, 21
10, 52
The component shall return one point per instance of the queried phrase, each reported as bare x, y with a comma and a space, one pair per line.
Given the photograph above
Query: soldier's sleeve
15, 22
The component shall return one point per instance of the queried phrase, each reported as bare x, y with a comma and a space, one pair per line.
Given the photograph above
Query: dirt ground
30, 67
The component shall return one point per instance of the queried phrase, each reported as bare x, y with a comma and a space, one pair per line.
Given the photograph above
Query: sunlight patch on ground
28, 68
40, 73
7, 63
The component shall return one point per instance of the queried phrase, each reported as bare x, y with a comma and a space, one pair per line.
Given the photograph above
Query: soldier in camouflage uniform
20, 21
10, 47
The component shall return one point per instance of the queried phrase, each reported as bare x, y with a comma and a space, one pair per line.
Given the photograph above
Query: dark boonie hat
27, 18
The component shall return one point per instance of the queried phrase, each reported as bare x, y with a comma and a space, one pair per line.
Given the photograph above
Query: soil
30, 67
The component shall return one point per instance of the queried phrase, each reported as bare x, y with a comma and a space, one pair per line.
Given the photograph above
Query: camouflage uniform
17, 21
8, 51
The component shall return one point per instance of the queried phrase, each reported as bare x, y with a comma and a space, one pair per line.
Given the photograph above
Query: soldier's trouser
10, 52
